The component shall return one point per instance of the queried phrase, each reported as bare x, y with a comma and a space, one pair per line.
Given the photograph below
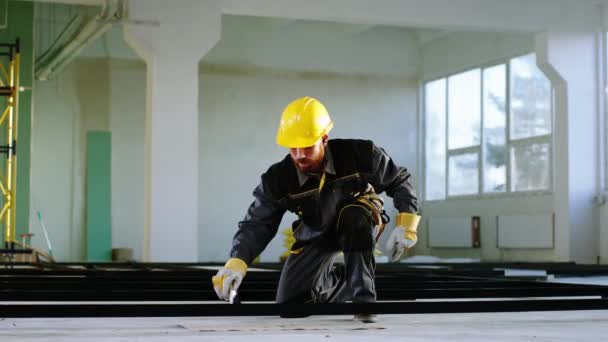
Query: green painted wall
99, 197
21, 24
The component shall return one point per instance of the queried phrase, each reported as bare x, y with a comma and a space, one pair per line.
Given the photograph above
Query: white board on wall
525, 231
450, 232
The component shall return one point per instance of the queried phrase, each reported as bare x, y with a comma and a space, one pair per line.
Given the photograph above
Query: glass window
463, 173
464, 109
530, 99
491, 125
530, 164
435, 123
494, 129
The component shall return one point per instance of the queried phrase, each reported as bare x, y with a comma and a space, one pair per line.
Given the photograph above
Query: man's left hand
398, 241
404, 236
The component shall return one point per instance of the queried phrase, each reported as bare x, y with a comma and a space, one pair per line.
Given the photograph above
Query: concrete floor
533, 326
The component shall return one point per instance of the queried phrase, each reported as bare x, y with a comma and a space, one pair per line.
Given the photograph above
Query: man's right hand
229, 278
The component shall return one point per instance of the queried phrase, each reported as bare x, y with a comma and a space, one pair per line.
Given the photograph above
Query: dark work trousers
310, 275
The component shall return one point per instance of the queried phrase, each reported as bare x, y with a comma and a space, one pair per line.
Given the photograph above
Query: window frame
547, 138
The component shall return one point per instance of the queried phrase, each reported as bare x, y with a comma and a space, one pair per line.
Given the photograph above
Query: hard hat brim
301, 142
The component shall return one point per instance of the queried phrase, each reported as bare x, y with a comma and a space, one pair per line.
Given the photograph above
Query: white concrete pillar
570, 60
603, 126
185, 30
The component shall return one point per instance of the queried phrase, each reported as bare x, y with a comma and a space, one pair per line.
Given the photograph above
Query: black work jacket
357, 163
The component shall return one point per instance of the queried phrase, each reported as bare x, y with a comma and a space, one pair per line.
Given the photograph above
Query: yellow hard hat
304, 121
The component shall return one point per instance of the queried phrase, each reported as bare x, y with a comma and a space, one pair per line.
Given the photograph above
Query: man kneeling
332, 186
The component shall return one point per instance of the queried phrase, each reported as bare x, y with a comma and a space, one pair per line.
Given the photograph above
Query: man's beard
309, 166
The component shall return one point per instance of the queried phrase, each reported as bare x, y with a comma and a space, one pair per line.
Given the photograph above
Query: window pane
463, 174
494, 129
464, 109
435, 104
530, 99
530, 167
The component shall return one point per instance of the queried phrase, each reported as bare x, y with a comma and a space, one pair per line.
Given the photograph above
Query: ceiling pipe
91, 30
69, 31
72, 2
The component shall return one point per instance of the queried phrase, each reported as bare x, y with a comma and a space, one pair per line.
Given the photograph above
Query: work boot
365, 318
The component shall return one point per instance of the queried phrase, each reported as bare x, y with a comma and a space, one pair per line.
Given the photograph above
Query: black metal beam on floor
288, 310
480, 285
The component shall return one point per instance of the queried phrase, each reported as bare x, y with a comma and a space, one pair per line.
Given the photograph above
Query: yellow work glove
229, 278
403, 236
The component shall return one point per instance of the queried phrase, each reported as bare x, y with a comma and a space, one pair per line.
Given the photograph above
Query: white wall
316, 46
54, 119
288, 44
65, 109
459, 51
488, 210
455, 53
603, 234
480, 15
127, 103
576, 138
603, 142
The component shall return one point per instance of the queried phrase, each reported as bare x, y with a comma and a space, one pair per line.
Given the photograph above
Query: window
488, 131
464, 120
494, 129
465, 112
435, 139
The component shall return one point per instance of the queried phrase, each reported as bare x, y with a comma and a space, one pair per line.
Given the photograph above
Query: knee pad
355, 228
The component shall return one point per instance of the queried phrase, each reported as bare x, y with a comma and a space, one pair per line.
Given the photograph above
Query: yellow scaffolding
9, 88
